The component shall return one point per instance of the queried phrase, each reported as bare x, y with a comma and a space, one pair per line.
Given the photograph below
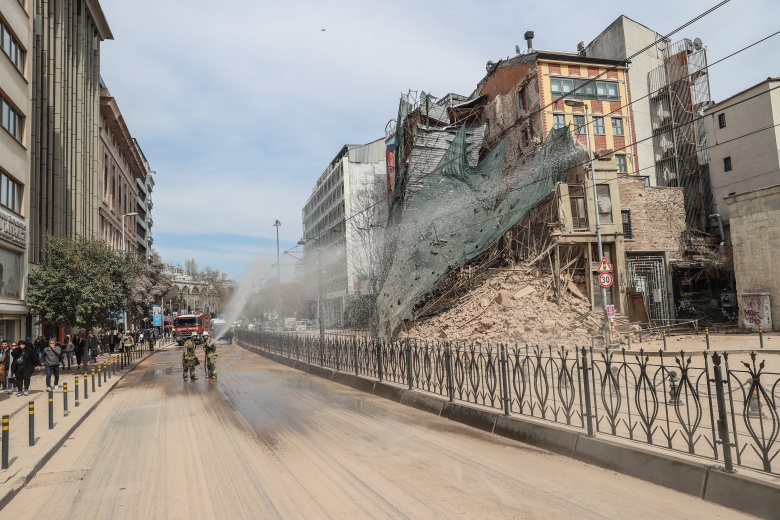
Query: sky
239, 110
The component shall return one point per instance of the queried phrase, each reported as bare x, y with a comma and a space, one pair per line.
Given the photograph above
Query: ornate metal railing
693, 403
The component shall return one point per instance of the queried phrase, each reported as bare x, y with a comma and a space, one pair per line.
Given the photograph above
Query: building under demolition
502, 179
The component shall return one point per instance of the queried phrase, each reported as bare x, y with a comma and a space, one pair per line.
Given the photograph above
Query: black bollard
100, 376
707, 336
86, 387
93, 380
105, 374
6, 421
664, 334
51, 409
76, 390
31, 412
761, 335
65, 398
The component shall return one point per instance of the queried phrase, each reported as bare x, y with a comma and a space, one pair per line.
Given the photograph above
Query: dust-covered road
266, 441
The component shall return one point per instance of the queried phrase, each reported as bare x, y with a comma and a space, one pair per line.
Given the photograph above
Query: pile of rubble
514, 306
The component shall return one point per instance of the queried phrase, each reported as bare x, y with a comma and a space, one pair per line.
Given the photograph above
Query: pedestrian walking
51, 360
80, 350
210, 348
129, 343
10, 373
25, 361
69, 351
92, 343
4, 353
189, 360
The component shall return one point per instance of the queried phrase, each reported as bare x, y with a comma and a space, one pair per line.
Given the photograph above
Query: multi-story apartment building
65, 145
121, 166
744, 144
143, 228
669, 91
16, 72
342, 229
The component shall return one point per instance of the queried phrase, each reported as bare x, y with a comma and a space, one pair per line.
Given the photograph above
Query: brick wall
755, 237
657, 216
505, 79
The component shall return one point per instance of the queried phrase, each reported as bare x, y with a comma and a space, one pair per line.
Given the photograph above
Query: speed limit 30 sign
605, 279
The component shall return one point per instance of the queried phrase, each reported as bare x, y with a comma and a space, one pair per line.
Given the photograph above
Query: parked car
300, 326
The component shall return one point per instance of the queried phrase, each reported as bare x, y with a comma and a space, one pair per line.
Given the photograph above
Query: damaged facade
519, 112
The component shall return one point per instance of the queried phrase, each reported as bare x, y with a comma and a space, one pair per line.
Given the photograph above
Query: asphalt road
266, 441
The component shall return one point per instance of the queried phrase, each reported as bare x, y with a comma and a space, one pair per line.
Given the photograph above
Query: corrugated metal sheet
367, 153
430, 146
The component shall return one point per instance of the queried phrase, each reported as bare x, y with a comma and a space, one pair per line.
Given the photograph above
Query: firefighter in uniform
189, 360
210, 348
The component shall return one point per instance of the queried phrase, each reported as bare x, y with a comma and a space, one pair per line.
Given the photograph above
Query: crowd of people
20, 359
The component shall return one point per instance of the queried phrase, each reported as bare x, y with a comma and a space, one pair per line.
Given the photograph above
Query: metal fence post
338, 355
409, 363
504, 378
355, 355
723, 425
6, 425
31, 412
379, 360
450, 384
586, 391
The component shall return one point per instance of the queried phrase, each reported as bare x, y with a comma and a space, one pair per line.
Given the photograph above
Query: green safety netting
459, 213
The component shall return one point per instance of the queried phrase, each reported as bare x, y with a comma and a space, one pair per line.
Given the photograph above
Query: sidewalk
24, 461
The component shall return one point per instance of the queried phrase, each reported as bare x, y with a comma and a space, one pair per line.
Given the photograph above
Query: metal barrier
689, 403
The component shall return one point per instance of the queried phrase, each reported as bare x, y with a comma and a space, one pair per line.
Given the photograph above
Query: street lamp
124, 247
277, 224
320, 321
578, 103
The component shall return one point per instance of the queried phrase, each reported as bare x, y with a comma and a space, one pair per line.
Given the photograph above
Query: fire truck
194, 324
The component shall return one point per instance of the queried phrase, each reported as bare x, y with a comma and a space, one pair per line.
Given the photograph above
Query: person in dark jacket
25, 361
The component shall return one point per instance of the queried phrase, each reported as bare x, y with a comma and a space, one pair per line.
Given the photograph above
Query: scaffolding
680, 91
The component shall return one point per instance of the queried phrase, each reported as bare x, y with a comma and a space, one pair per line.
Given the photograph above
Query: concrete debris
526, 312
503, 298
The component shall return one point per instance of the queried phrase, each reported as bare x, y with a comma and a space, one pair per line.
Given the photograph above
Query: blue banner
157, 316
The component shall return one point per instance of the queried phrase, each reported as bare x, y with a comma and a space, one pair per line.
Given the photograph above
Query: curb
23, 480
737, 491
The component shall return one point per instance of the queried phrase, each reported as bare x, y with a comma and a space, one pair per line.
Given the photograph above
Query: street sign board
610, 310
605, 279
605, 267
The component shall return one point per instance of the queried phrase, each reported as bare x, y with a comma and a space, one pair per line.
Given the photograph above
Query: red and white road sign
605, 267
605, 279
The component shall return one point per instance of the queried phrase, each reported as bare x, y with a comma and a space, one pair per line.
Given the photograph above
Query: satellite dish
517, 49
697, 44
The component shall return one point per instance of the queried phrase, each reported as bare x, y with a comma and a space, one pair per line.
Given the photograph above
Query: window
521, 98
622, 164
579, 125
625, 215
559, 121
727, 164
585, 88
604, 204
11, 120
11, 47
10, 193
579, 217
617, 126
598, 126
721, 120
105, 175
561, 86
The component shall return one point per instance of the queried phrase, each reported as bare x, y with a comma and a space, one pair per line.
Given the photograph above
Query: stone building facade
755, 232
121, 165
16, 73
65, 143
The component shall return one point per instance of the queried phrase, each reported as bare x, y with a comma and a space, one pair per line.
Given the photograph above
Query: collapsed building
501, 180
